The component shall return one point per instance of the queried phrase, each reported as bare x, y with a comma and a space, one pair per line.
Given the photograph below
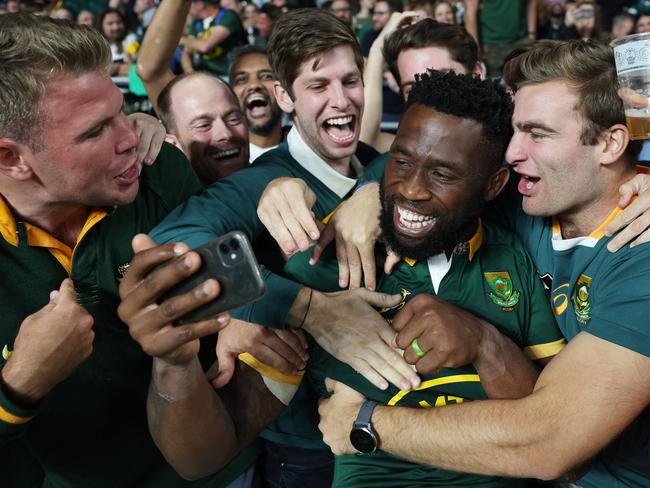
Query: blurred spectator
86, 17
499, 27
214, 33
643, 23
363, 19
554, 27
622, 25
380, 15
249, 16
583, 16
283, 5
144, 10
443, 12
234, 5
13, 6
264, 20
342, 10
62, 13
112, 26
423, 7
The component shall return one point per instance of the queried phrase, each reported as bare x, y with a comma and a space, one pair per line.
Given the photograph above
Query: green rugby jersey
607, 295
491, 276
91, 429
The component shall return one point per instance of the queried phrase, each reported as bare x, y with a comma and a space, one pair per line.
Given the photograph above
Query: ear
496, 183
283, 98
13, 160
479, 70
613, 142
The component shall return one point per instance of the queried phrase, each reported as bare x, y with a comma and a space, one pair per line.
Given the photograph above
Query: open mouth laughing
341, 129
412, 223
257, 105
226, 154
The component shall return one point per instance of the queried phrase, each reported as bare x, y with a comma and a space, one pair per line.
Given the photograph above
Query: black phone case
241, 281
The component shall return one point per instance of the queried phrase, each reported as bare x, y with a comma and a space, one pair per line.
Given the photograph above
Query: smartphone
230, 260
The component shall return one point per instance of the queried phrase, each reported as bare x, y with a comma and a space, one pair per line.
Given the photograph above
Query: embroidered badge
502, 292
404, 292
580, 299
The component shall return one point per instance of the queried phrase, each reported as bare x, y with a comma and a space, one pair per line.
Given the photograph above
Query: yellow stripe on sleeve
458, 378
268, 371
541, 351
10, 418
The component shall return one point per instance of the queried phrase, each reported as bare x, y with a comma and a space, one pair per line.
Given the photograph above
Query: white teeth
255, 97
340, 120
529, 185
406, 215
225, 154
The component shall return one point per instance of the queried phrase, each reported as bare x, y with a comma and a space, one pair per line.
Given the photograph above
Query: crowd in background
499, 28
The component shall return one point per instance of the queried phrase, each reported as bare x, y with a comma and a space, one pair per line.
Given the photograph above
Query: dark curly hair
469, 97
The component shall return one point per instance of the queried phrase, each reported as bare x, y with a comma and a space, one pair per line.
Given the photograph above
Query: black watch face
363, 441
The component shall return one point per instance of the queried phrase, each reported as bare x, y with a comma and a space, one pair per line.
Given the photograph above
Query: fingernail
415, 381
341, 284
608, 233
187, 262
383, 385
223, 319
314, 235
312, 261
179, 248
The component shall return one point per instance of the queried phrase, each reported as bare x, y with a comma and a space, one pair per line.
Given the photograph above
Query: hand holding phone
230, 260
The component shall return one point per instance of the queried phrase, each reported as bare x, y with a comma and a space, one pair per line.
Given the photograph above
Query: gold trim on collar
597, 233
37, 237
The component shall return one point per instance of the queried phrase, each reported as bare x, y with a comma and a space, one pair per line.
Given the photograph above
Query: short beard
266, 127
448, 231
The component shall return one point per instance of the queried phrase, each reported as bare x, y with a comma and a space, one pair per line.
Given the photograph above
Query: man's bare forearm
159, 45
199, 430
188, 421
373, 82
567, 420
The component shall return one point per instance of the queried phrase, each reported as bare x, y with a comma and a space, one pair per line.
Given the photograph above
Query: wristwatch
362, 436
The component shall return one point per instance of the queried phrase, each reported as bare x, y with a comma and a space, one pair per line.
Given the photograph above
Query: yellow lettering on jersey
560, 299
455, 399
425, 404
440, 401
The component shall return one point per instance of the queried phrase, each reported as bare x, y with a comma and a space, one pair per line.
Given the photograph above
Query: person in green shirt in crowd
215, 31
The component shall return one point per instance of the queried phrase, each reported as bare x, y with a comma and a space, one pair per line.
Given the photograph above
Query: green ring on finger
415, 345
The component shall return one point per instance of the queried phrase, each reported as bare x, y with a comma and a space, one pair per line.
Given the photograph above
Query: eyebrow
534, 124
439, 162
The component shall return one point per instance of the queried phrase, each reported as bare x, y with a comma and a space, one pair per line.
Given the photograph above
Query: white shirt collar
308, 159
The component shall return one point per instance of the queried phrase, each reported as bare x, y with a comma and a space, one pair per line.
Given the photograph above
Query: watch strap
365, 412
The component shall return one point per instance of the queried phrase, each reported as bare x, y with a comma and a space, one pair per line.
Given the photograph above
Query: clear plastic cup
632, 54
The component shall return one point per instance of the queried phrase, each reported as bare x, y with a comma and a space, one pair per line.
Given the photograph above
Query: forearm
373, 93
188, 421
504, 369
159, 44
476, 438
565, 421
471, 19
531, 16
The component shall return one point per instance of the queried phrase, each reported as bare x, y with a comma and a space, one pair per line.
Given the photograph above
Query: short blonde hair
35, 50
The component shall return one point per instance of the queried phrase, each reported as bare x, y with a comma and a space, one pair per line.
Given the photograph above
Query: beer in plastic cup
632, 55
